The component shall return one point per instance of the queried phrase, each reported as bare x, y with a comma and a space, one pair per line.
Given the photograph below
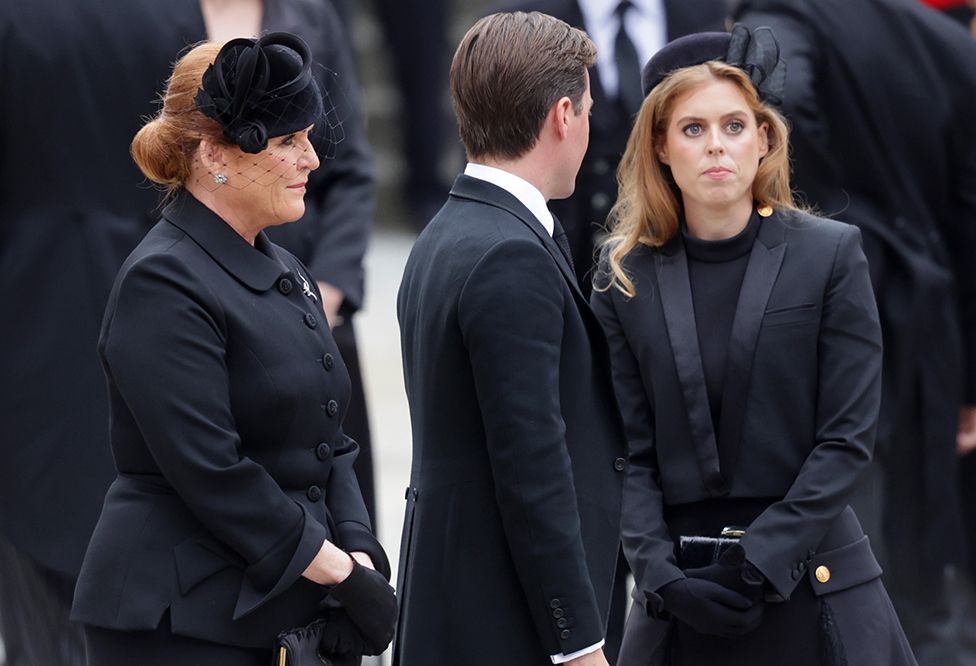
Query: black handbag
300, 647
700, 551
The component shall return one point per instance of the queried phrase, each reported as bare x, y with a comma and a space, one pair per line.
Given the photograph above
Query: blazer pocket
793, 314
196, 560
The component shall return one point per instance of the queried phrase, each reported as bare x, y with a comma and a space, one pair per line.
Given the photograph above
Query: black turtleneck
715, 270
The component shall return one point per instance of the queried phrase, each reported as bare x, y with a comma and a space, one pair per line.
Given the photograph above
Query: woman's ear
763, 140
212, 156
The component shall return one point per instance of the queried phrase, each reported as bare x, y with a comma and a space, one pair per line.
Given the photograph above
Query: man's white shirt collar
521, 189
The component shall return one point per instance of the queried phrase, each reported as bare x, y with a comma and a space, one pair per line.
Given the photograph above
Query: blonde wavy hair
648, 208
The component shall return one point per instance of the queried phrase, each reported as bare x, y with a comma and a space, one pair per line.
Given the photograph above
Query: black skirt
160, 647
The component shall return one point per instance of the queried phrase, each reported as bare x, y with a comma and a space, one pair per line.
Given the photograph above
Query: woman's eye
289, 141
692, 130
735, 126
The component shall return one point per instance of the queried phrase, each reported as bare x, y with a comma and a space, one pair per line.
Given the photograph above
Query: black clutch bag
700, 551
300, 647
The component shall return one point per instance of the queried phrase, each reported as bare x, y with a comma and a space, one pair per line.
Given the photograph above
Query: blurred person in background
70, 215
961, 10
882, 138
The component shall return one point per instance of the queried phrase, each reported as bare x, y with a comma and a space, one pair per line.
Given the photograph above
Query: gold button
822, 573
765, 210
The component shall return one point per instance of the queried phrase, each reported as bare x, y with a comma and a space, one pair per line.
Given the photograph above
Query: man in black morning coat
882, 97
584, 214
77, 78
512, 526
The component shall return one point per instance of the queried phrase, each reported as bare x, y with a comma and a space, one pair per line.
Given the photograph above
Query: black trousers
159, 647
34, 606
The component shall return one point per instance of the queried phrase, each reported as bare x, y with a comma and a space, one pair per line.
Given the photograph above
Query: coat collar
718, 465
474, 189
255, 266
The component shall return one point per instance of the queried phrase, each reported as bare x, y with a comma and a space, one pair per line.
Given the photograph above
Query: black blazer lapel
466, 187
762, 270
679, 314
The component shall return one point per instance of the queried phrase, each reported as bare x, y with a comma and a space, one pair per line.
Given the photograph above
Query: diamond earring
220, 178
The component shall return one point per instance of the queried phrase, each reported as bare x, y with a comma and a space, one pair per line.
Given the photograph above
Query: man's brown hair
508, 71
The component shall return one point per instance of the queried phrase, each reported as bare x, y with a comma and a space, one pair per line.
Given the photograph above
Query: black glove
340, 635
735, 572
371, 604
710, 608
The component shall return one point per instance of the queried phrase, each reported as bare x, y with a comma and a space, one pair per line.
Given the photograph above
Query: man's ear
563, 113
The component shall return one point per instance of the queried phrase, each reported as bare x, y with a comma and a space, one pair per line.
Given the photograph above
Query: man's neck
527, 168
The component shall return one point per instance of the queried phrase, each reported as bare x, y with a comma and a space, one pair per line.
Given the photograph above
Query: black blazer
73, 211
584, 214
799, 405
227, 397
512, 526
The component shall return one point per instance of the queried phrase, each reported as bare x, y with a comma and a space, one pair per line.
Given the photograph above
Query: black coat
227, 396
882, 137
800, 403
77, 78
584, 215
512, 527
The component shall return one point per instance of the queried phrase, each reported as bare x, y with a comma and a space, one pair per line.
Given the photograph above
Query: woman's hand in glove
710, 608
371, 604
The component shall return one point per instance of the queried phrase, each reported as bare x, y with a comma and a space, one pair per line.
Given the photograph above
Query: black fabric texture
715, 270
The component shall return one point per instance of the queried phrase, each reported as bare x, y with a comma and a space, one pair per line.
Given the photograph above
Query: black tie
562, 240
628, 64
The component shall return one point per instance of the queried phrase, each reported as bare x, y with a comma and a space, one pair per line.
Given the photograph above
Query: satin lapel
466, 187
757, 284
679, 313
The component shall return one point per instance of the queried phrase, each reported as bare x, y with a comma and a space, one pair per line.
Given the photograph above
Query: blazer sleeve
782, 540
165, 349
647, 544
511, 317
341, 193
348, 510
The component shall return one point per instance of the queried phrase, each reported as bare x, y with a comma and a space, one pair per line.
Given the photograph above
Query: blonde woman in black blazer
747, 356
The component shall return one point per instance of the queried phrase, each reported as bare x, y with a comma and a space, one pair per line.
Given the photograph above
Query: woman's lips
299, 186
717, 173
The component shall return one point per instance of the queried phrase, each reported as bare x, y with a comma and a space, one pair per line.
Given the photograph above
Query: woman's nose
309, 159
715, 145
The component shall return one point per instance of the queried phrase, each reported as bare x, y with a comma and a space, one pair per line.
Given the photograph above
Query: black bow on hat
261, 88
755, 52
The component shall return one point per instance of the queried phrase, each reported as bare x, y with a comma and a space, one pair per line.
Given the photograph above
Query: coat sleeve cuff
352, 536
266, 578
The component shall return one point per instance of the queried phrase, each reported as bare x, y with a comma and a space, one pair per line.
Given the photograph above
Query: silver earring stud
220, 178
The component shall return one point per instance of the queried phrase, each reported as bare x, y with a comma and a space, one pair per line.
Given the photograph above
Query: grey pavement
379, 348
